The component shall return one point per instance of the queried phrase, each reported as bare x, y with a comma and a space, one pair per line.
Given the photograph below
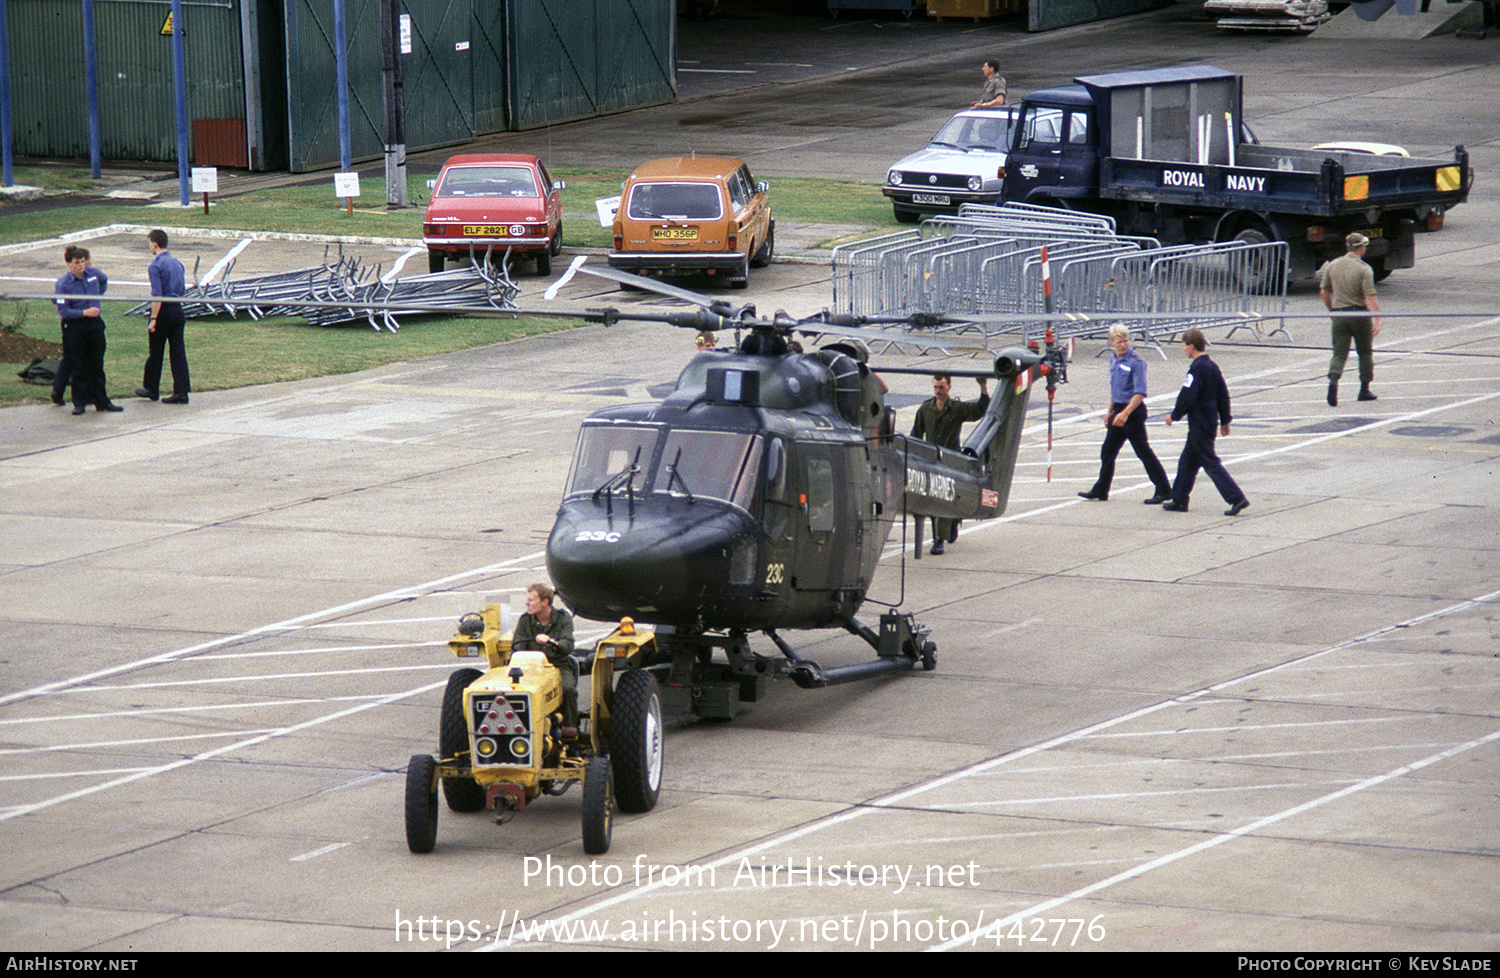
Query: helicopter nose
661, 564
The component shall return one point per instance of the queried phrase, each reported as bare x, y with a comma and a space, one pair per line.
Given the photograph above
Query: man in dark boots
1346, 285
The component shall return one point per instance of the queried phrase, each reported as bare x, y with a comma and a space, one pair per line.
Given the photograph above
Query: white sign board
606, 208
405, 34
204, 179
346, 184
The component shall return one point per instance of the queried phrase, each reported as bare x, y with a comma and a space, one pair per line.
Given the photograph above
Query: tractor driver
550, 630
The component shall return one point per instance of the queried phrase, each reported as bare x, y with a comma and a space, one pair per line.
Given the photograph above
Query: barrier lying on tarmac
987, 261
315, 292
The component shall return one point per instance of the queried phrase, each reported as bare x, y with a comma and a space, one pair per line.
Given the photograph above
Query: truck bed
1291, 181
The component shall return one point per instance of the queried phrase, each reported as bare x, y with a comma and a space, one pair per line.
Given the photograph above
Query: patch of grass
58, 177
225, 353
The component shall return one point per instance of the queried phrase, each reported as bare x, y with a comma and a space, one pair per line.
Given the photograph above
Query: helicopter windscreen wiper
626, 476
675, 475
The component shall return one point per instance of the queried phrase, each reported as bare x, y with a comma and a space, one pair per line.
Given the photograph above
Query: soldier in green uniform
940, 420
550, 630
1348, 285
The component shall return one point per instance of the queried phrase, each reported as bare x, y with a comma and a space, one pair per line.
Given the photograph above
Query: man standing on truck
1348, 285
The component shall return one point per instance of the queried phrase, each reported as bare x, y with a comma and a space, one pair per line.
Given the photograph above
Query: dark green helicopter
759, 495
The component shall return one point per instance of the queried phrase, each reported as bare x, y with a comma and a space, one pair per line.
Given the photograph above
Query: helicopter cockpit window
605, 456
775, 470
710, 464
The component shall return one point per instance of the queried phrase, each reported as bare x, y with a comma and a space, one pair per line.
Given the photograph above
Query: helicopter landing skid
902, 644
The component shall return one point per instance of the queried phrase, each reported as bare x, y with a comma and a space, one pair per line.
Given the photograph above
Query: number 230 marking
774, 573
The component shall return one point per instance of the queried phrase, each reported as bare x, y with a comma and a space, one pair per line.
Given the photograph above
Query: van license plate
674, 234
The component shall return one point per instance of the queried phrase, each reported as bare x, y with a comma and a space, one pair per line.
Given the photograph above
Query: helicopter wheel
598, 802
929, 656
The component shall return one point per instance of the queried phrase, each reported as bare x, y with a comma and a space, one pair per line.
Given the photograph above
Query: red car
490, 202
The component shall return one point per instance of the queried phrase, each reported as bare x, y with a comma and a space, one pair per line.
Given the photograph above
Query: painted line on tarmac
205, 708
1216, 758
72, 774
209, 755
995, 928
1178, 732
321, 650
401, 593
1117, 795
1237, 459
251, 677
133, 742
897, 798
361, 622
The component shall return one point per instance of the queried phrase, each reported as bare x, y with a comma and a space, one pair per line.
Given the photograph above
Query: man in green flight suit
940, 420
550, 630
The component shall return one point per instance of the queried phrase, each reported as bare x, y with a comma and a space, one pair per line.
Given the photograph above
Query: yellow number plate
1372, 233
486, 230
674, 234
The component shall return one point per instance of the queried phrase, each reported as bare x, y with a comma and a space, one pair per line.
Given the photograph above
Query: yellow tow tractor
502, 741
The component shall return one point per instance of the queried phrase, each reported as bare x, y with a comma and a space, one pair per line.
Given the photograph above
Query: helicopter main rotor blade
670, 291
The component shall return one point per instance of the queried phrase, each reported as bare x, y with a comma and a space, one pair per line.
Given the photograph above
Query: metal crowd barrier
986, 261
316, 293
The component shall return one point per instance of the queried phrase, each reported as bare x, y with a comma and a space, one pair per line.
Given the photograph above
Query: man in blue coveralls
83, 329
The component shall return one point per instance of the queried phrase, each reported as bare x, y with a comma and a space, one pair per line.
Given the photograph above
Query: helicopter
759, 495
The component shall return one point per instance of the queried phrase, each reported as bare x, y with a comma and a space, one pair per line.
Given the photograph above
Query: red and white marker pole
1051, 388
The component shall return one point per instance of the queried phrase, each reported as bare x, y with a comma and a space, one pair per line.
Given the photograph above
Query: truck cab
1058, 146
1165, 152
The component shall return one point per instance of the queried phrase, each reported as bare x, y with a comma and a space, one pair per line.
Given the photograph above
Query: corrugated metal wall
571, 59
49, 104
477, 66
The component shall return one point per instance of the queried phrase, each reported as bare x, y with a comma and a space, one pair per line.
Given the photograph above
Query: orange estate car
700, 214
490, 202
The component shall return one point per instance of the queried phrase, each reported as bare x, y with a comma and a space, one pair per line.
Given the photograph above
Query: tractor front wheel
421, 803
598, 805
462, 794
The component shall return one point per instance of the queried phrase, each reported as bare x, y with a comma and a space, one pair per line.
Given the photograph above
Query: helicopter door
816, 566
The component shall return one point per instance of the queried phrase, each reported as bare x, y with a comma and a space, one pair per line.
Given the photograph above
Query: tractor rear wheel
462, 794
635, 741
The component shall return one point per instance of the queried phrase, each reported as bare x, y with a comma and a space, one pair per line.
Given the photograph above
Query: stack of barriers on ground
342, 290
987, 261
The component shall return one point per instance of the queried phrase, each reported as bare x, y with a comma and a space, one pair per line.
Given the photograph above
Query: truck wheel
1260, 274
1377, 265
435, 261
544, 261
598, 802
635, 741
767, 251
462, 794
421, 803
